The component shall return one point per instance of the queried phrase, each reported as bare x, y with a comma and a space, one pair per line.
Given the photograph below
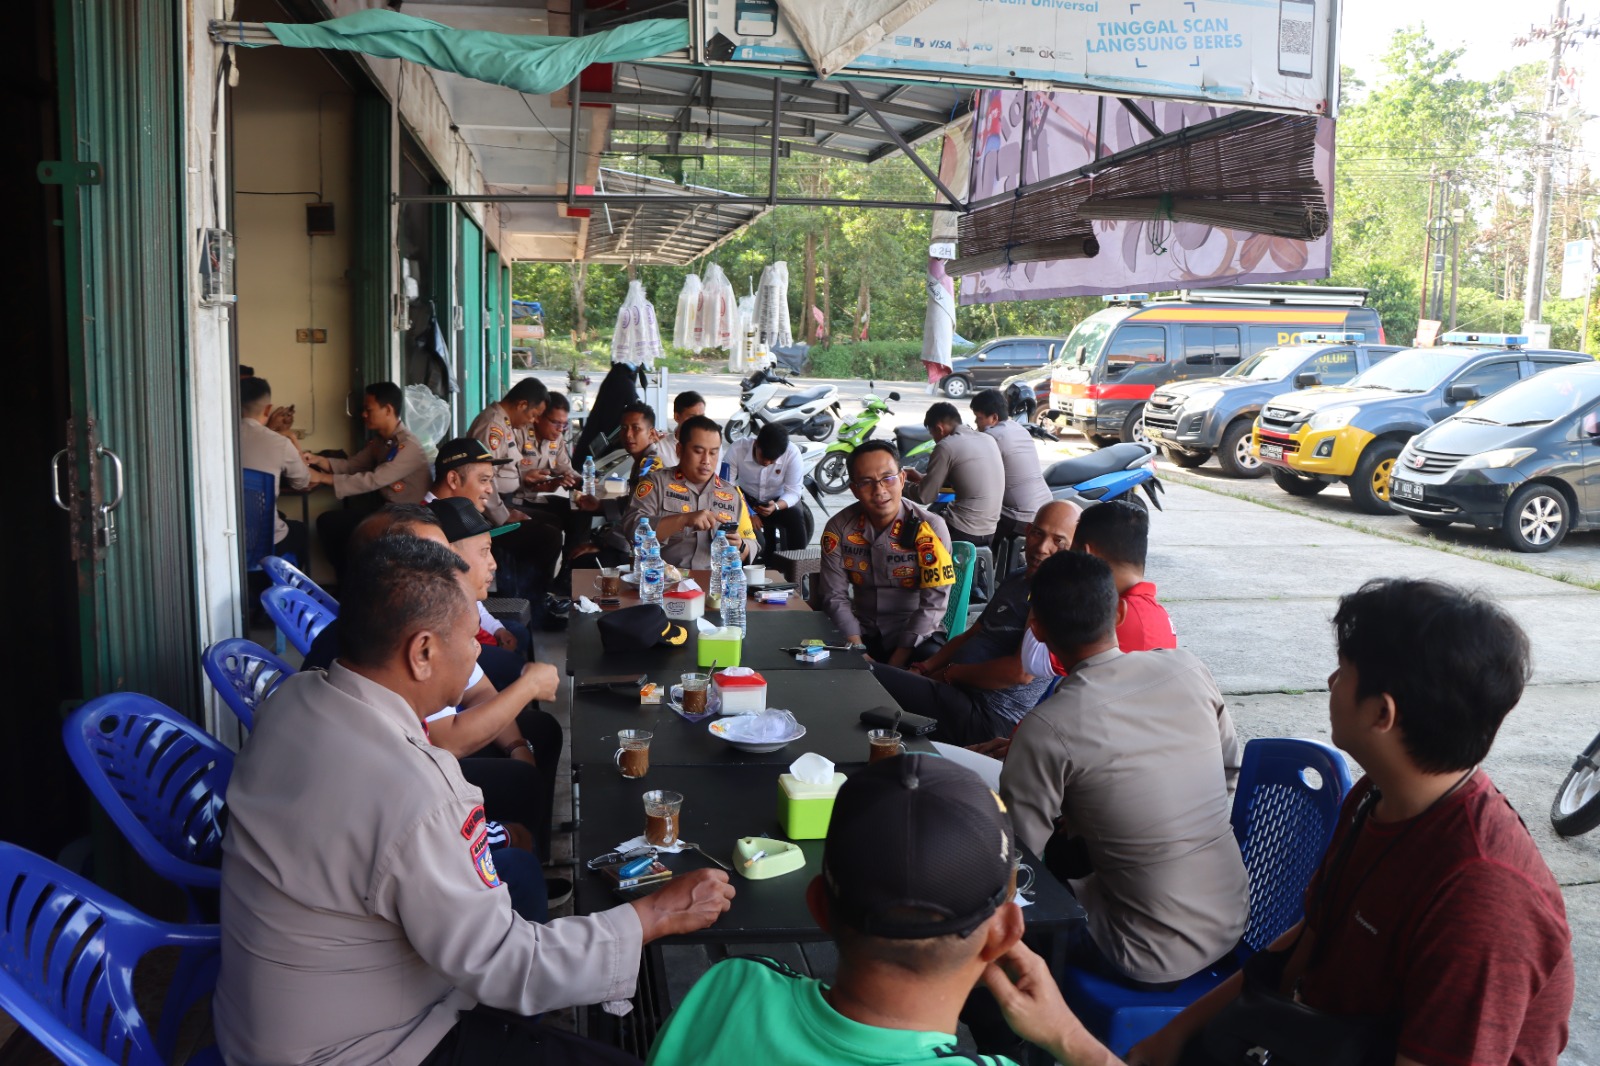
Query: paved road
1251, 589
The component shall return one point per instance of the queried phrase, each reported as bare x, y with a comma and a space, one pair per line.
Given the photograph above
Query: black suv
1192, 420
996, 361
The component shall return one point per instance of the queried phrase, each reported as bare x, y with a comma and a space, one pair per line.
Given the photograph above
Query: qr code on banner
1294, 37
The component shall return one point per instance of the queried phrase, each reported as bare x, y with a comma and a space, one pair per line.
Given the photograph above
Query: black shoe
556, 609
558, 891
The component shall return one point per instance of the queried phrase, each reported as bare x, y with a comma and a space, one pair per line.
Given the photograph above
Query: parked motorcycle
1576, 809
808, 413
833, 472
1117, 472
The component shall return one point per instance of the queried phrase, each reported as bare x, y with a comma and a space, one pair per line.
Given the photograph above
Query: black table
765, 633
722, 804
827, 702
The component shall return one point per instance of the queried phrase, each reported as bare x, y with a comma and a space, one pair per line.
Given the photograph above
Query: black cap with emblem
638, 628
464, 451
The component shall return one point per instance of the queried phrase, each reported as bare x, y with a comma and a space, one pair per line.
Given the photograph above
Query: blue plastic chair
260, 516
161, 778
1284, 812
68, 949
244, 675
283, 571
297, 615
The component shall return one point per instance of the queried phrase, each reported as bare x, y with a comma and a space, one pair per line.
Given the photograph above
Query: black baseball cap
460, 520
463, 451
917, 833
638, 628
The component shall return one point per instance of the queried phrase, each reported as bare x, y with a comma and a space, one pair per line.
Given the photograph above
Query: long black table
827, 702
765, 633
722, 804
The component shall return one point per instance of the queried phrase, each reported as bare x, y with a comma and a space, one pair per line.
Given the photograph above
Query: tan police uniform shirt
1137, 753
396, 468
873, 580
968, 463
272, 453
493, 428
540, 459
1025, 490
663, 494
360, 908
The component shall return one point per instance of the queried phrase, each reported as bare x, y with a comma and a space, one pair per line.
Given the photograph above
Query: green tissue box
804, 809
720, 648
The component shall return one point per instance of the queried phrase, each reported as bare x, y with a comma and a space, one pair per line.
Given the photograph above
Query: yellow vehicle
1354, 433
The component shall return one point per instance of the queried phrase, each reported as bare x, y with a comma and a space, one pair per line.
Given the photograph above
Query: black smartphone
612, 681
915, 724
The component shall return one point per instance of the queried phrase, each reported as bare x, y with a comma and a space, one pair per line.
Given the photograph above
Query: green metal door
471, 303
493, 328
505, 327
371, 272
123, 471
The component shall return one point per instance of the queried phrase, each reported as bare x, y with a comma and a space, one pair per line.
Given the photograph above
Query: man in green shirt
918, 873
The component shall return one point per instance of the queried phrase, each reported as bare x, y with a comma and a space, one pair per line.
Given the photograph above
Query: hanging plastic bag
717, 318
688, 305
427, 416
637, 336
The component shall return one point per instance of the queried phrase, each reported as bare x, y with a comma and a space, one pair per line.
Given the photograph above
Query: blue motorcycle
1117, 472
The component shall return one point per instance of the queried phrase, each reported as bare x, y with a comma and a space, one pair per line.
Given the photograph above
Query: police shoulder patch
830, 543
725, 497
494, 438
644, 489
473, 823
483, 862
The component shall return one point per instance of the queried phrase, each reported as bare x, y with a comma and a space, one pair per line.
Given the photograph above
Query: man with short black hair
968, 463
766, 468
1433, 908
272, 453
1026, 490
391, 468
917, 886
362, 918
886, 565
687, 505
546, 463
686, 405
502, 427
1134, 755
1119, 534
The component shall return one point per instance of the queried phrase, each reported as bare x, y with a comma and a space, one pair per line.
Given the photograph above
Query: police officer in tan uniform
392, 466
886, 566
545, 457
969, 464
688, 504
362, 918
500, 426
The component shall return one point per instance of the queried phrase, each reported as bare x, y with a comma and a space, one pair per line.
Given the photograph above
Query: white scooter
808, 413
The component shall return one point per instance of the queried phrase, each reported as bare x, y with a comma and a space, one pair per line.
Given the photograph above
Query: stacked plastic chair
297, 615
244, 675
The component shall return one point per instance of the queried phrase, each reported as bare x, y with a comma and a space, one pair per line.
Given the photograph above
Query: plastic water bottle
719, 554
590, 486
640, 532
733, 591
653, 572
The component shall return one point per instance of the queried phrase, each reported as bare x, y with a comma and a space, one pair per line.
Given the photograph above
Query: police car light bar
1491, 340
1126, 298
1328, 338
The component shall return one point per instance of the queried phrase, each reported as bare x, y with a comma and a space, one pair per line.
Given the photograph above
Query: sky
1485, 29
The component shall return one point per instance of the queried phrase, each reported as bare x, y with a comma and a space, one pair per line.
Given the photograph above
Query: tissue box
720, 647
744, 693
804, 810
684, 606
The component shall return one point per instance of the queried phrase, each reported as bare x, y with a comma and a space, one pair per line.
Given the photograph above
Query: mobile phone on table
612, 681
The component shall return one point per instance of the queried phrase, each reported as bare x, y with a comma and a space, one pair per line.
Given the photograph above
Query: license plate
1065, 407
1405, 490
1272, 451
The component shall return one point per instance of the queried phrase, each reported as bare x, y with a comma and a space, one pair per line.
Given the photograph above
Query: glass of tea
633, 753
662, 813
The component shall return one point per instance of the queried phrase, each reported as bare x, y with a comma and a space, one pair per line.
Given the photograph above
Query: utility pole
1561, 33
1457, 219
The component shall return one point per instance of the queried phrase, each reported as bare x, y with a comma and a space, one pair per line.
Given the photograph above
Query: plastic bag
427, 416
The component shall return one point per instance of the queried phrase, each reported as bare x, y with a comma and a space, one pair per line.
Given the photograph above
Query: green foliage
870, 360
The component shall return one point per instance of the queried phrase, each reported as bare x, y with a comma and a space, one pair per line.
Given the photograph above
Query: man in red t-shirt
1440, 917
1119, 534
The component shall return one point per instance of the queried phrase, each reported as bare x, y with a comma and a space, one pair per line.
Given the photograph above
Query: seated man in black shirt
977, 685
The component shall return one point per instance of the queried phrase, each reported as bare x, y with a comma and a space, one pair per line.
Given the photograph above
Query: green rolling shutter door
128, 360
494, 329
373, 257
471, 302
506, 343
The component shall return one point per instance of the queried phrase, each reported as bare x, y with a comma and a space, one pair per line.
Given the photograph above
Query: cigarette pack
650, 694
630, 885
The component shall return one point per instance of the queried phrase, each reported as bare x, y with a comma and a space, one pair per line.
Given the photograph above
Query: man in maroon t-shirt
1440, 917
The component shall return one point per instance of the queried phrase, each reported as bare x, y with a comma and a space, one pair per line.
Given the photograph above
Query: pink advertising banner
1149, 256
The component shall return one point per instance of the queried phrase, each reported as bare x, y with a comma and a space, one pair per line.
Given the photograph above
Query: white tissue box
684, 606
742, 693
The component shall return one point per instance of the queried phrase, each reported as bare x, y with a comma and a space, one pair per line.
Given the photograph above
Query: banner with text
1275, 54
1134, 256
